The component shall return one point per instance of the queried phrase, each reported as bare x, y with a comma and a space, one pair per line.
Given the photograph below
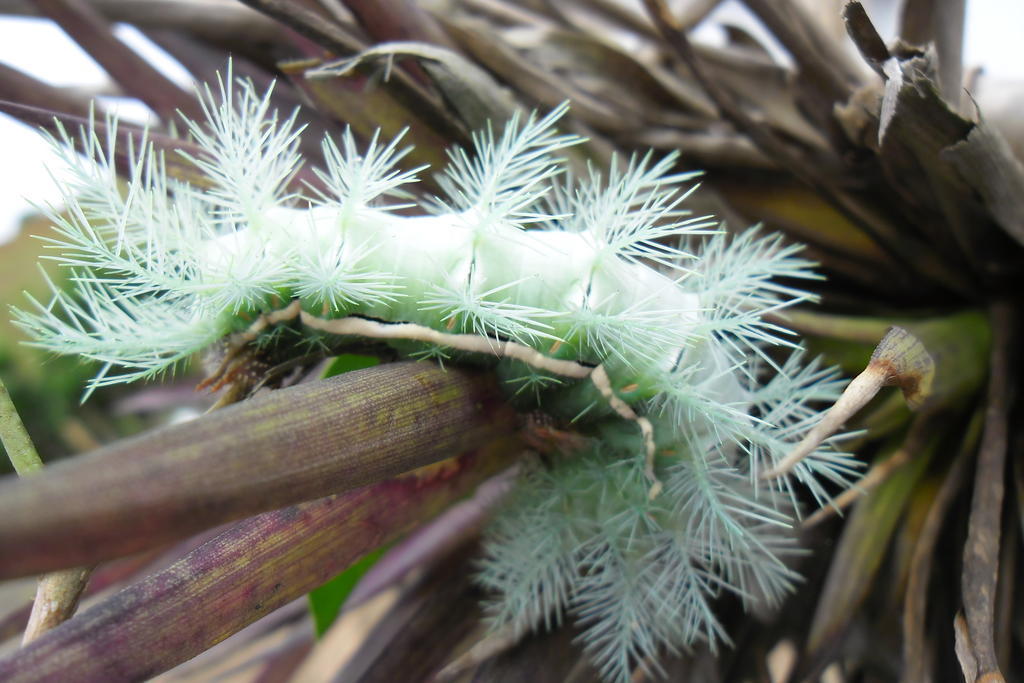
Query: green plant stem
58, 593
15, 438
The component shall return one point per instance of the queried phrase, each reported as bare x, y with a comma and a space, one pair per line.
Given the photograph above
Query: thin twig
916, 667
917, 438
473, 343
981, 551
939, 23
56, 601
914, 256
219, 22
900, 359
308, 23
57, 593
857, 394
135, 75
25, 90
499, 349
821, 60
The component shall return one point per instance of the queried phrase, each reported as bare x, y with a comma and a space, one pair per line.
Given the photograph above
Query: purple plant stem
233, 580
291, 445
434, 540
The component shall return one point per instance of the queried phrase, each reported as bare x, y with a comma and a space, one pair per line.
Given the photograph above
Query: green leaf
349, 362
325, 602
863, 546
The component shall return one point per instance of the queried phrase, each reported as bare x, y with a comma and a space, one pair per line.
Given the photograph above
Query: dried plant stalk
293, 444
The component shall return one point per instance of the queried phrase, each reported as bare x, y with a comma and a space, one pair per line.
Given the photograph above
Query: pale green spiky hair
609, 270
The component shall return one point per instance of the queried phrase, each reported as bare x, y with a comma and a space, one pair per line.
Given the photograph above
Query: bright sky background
39, 48
995, 30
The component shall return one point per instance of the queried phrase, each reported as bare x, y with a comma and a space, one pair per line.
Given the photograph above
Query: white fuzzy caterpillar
604, 279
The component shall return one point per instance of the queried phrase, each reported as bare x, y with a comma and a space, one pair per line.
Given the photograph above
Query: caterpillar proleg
600, 294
